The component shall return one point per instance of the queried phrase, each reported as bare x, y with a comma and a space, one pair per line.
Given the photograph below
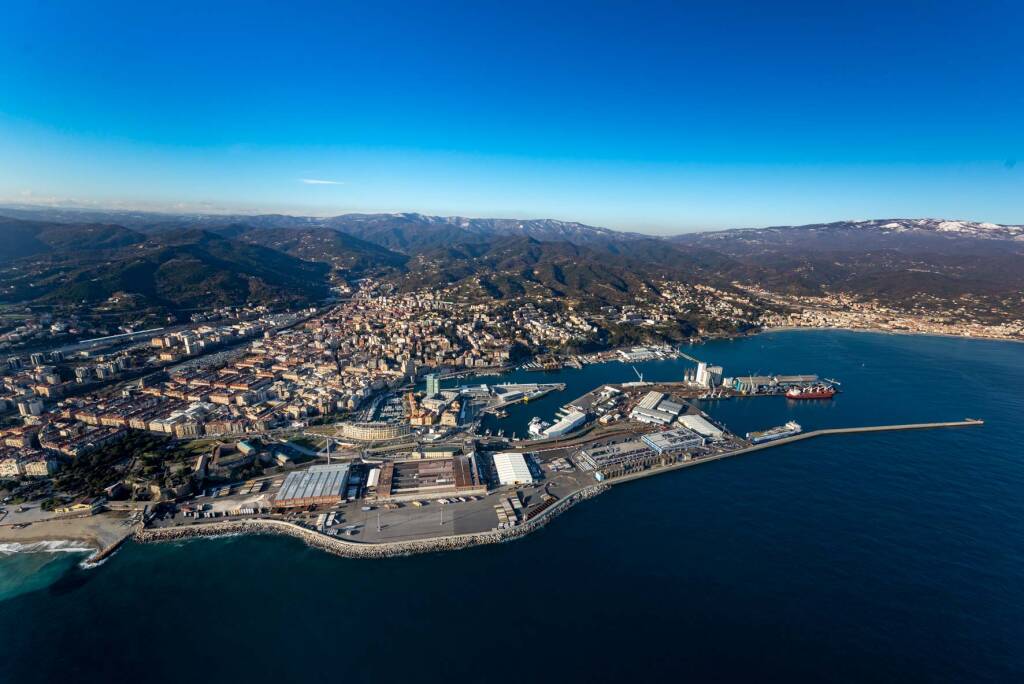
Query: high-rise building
433, 384
30, 407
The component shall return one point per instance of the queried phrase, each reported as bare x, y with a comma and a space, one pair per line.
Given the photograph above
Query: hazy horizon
659, 118
224, 211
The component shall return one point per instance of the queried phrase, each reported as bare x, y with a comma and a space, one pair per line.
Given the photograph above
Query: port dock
419, 533
966, 422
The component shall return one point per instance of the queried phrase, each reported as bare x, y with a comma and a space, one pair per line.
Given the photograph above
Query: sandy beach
98, 531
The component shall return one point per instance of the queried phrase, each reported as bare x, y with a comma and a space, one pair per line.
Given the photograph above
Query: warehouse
512, 469
655, 408
702, 426
428, 478
320, 485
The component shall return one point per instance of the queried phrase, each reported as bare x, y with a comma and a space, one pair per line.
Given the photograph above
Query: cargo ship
788, 430
811, 392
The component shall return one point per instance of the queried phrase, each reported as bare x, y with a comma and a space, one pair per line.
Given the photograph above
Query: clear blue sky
659, 117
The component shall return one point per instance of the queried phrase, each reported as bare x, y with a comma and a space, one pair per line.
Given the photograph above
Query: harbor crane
638, 373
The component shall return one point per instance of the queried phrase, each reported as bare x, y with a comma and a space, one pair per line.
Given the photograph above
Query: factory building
708, 376
512, 469
656, 409
612, 456
702, 426
571, 421
320, 485
428, 478
669, 441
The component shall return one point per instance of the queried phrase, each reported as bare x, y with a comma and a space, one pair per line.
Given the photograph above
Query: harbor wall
351, 549
967, 422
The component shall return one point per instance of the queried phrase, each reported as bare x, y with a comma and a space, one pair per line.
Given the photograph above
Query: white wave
65, 546
89, 563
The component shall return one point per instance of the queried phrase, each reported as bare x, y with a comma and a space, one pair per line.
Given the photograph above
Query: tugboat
811, 392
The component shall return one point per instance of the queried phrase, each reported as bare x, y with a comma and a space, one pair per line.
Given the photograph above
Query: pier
966, 422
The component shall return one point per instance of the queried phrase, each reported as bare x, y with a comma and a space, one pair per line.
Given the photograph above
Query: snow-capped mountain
960, 228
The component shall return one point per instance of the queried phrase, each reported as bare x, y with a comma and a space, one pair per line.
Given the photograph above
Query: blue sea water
880, 557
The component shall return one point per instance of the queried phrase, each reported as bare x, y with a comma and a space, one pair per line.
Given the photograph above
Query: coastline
350, 549
884, 331
103, 534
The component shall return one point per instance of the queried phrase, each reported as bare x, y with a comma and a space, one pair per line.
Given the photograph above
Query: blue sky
660, 117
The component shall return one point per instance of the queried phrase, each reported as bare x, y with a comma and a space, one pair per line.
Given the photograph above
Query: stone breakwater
350, 549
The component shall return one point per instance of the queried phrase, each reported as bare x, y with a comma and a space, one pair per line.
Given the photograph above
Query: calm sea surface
889, 557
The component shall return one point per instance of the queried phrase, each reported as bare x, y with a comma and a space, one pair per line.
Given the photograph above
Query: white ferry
788, 430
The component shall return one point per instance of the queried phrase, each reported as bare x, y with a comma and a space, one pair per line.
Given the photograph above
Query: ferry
811, 392
761, 436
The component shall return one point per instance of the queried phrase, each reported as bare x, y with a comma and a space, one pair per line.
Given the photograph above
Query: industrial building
680, 439
512, 469
571, 421
706, 376
428, 478
614, 455
656, 409
320, 485
702, 426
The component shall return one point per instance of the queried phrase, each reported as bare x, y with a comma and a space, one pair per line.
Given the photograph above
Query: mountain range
183, 261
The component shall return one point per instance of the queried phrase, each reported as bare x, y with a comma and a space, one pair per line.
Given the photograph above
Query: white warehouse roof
701, 426
512, 469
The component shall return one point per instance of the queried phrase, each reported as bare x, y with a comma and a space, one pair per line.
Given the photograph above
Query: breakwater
350, 549
966, 422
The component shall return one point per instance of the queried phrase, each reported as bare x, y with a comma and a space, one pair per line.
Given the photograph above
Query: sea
856, 558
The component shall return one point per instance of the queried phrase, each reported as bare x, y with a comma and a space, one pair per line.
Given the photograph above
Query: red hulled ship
811, 392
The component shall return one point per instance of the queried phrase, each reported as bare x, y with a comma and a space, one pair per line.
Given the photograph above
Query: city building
433, 381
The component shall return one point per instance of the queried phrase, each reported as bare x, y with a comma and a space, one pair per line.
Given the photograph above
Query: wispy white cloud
320, 181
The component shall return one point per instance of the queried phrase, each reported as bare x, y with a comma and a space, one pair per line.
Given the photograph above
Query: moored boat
788, 430
811, 392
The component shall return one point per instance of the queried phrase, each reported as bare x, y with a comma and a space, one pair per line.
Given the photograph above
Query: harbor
777, 515
410, 537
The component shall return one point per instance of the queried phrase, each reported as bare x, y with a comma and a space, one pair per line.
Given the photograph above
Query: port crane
638, 373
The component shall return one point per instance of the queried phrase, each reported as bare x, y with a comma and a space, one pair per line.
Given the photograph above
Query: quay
966, 422
451, 542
